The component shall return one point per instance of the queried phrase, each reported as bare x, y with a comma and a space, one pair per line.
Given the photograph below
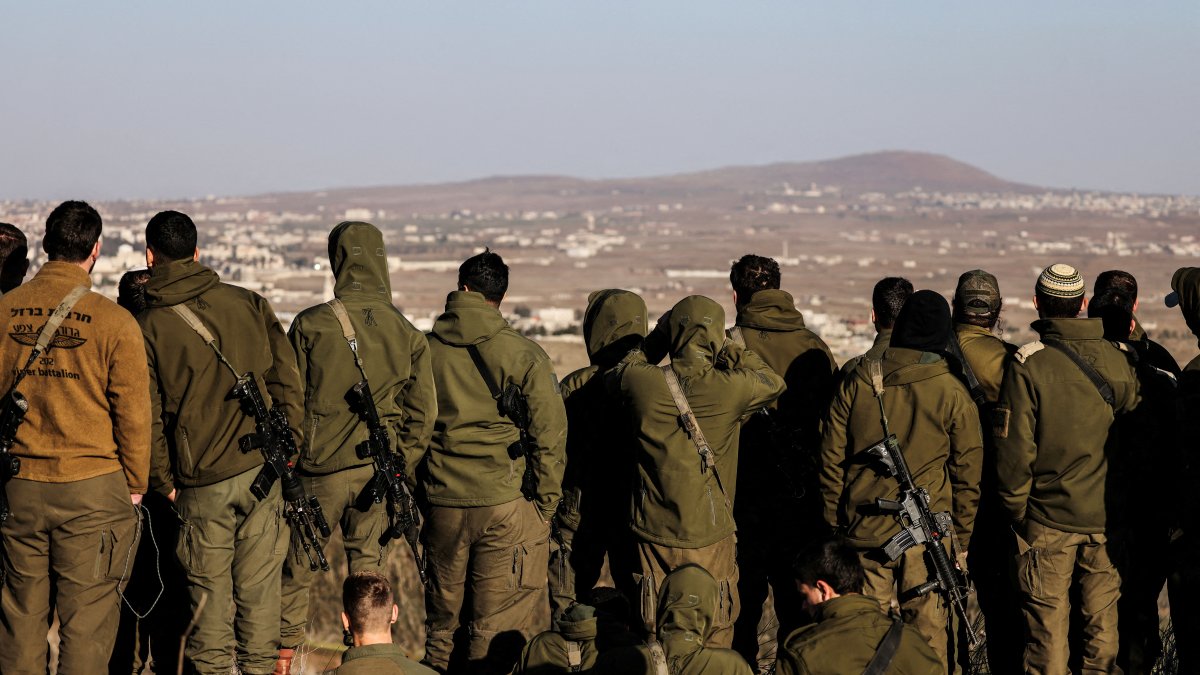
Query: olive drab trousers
346, 502
889, 582
77, 538
719, 559
231, 546
1048, 561
498, 556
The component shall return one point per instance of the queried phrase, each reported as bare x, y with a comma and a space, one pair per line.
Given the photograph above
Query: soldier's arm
834, 441
128, 395
419, 403
162, 478
283, 377
299, 342
965, 464
763, 384
548, 429
1014, 427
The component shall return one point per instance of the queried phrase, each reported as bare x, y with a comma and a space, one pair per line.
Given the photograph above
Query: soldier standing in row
482, 526
887, 298
682, 510
14, 257
377, 345
599, 471
1059, 396
84, 455
976, 308
937, 426
781, 444
232, 544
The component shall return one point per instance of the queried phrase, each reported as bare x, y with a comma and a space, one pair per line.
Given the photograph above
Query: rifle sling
1097, 380
692, 426
735, 334
339, 311
46, 336
185, 313
886, 651
484, 372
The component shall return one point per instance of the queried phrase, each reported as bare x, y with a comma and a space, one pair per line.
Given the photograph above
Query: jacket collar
1069, 329
65, 271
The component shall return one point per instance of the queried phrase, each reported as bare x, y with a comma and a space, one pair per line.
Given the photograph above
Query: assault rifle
389, 481
12, 413
273, 437
919, 524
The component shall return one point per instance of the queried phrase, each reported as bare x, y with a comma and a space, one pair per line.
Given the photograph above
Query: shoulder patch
1028, 350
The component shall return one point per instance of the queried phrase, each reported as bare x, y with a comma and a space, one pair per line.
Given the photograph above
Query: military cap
978, 293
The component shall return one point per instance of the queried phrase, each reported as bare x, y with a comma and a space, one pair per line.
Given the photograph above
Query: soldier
1057, 400
682, 509
976, 307
688, 613
232, 544
784, 440
14, 257
1184, 582
599, 469
851, 633
581, 633
1142, 454
481, 526
887, 298
394, 359
368, 613
68, 525
937, 426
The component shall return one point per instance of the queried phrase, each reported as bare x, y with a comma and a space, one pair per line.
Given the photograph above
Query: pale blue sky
158, 99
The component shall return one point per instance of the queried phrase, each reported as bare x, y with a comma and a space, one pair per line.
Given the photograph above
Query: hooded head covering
696, 333
924, 323
687, 606
1185, 284
614, 323
359, 261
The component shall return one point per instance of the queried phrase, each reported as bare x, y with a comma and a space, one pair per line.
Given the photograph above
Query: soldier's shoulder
1027, 350
576, 379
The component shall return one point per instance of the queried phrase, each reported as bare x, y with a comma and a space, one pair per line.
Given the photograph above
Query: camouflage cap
977, 293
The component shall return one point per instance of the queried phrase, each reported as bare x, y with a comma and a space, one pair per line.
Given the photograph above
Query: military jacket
985, 353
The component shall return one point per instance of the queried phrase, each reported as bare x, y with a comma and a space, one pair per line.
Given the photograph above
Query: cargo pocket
531, 565
188, 549
725, 608
1029, 575
647, 599
115, 551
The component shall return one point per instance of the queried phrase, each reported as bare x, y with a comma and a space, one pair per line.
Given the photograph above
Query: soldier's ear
345, 621
395, 612
196, 255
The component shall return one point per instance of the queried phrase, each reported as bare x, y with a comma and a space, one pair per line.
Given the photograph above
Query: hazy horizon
184, 101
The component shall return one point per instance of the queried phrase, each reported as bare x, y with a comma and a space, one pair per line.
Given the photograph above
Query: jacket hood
177, 282
359, 262
695, 333
687, 605
615, 321
771, 309
1186, 282
468, 320
577, 623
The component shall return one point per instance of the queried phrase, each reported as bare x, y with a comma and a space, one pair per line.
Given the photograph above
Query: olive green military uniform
479, 525
395, 357
688, 608
593, 514
231, 544
682, 512
579, 636
845, 637
780, 462
1051, 425
990, 557
385, 659
937, 426
883, 339
84, 448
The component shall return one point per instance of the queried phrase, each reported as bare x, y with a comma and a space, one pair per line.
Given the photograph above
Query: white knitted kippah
1060, 281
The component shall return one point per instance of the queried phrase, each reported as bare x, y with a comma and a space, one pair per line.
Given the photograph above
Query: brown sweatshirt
89, 399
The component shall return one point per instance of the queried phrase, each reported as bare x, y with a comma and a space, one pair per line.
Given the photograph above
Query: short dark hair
753, 273
1055, 307
367, 601
131, 290
72, 229
14, 256
1118, 279
171, 235
1115, 308
485, 273
833, 561
888, 298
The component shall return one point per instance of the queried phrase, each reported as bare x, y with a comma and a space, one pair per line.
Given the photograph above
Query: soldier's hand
961, 559
136, 499
171, 496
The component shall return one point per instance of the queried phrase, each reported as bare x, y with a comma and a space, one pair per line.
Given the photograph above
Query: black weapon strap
691, 425
339, 310
974, 388
484, 372
886, 651
185, 313
46, 336
1101, 384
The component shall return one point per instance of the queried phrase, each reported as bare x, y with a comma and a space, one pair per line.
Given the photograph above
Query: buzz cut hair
1056, 307
171, 235
833, 561
888, 298
367, 601
484, 273
752, 273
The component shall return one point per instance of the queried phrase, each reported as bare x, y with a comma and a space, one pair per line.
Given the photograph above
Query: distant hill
888, 172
